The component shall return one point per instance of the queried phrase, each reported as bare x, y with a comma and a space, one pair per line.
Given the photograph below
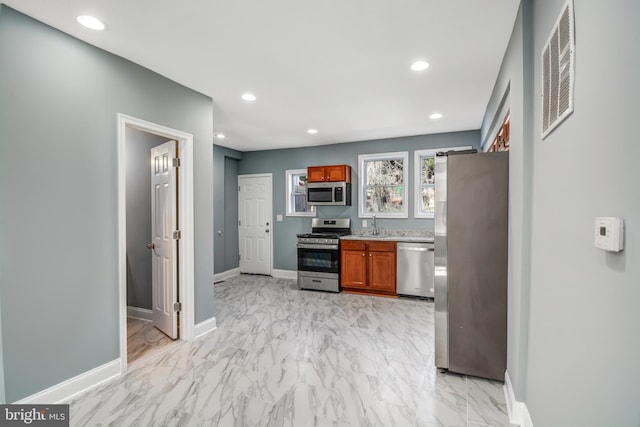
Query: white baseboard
226, 274
205, 327
284, 274
139, 313
518, 411
66, 390
281, 274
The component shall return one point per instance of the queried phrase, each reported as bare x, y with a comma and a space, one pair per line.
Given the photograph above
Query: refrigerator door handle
441, 299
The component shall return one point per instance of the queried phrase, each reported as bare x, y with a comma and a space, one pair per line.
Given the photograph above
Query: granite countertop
392, 235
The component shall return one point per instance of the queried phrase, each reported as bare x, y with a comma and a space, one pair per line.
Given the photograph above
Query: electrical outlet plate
364, 223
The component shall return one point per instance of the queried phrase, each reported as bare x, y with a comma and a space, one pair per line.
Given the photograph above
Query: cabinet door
315, 173
336, 173
382, 271
353, 269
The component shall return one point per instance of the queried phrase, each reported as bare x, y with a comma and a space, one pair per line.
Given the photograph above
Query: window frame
398, 155
418, 155
289, 204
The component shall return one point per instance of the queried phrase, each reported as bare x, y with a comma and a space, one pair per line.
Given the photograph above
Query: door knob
151, 245
266, 231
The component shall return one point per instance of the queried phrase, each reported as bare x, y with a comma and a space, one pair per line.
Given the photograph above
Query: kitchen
393, 231
277, 162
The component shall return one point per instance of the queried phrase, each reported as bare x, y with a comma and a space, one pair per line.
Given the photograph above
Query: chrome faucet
375, 230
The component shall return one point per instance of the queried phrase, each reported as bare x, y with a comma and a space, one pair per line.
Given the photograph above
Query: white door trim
270, 176
186, 272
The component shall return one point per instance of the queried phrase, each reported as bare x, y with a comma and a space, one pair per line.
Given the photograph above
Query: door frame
261, 175
186, 272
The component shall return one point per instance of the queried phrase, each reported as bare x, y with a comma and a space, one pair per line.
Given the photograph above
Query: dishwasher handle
415, 249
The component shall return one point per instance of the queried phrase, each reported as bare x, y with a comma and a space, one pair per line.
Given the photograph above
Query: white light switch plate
278, 217
609, 233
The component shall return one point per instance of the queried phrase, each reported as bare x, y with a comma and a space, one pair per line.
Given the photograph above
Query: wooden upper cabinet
334, 173
315, 173
340, 173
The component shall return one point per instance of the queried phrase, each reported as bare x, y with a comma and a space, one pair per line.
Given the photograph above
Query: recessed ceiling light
248, 97
419, 66
221, 136
312, 131
91, 22
435, 116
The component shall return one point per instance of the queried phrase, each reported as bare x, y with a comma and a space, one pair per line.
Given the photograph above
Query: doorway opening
155, 238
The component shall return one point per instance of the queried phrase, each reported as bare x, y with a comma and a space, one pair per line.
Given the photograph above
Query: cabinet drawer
381, 246
352, 245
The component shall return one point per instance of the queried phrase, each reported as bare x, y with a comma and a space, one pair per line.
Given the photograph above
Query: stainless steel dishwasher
415, 269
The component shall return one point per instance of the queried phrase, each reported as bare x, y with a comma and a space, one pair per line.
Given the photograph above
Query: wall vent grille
558, 59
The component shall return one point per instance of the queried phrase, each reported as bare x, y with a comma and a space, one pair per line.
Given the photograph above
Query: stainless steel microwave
329, 193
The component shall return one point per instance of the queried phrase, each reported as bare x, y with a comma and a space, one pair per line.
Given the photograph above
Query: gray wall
231, 244
509, 95
584, 339
278, 161
59, 98
226, 242
2, 253
2, 394
138, 146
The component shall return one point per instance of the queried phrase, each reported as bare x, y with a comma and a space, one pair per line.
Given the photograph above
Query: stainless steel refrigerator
471, 242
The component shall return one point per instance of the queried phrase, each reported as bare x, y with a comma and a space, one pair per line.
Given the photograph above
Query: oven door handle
316, 246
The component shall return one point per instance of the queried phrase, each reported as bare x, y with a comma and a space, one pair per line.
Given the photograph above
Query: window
296, 186
383, 185
425, 179
425, 183
501, 141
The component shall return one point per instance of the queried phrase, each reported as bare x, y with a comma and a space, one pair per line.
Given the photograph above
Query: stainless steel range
319, 254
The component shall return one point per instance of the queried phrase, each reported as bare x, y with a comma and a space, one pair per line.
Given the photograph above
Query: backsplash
395, 233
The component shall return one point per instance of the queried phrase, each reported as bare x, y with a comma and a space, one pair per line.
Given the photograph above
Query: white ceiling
340, 66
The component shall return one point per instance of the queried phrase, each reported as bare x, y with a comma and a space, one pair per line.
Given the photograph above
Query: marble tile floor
285, 357
144, 340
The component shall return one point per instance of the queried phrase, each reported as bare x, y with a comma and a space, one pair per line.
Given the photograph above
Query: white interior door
164, 248
255, 223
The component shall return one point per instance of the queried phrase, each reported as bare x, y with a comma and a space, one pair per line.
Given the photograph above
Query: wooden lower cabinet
353, 268
368, 266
